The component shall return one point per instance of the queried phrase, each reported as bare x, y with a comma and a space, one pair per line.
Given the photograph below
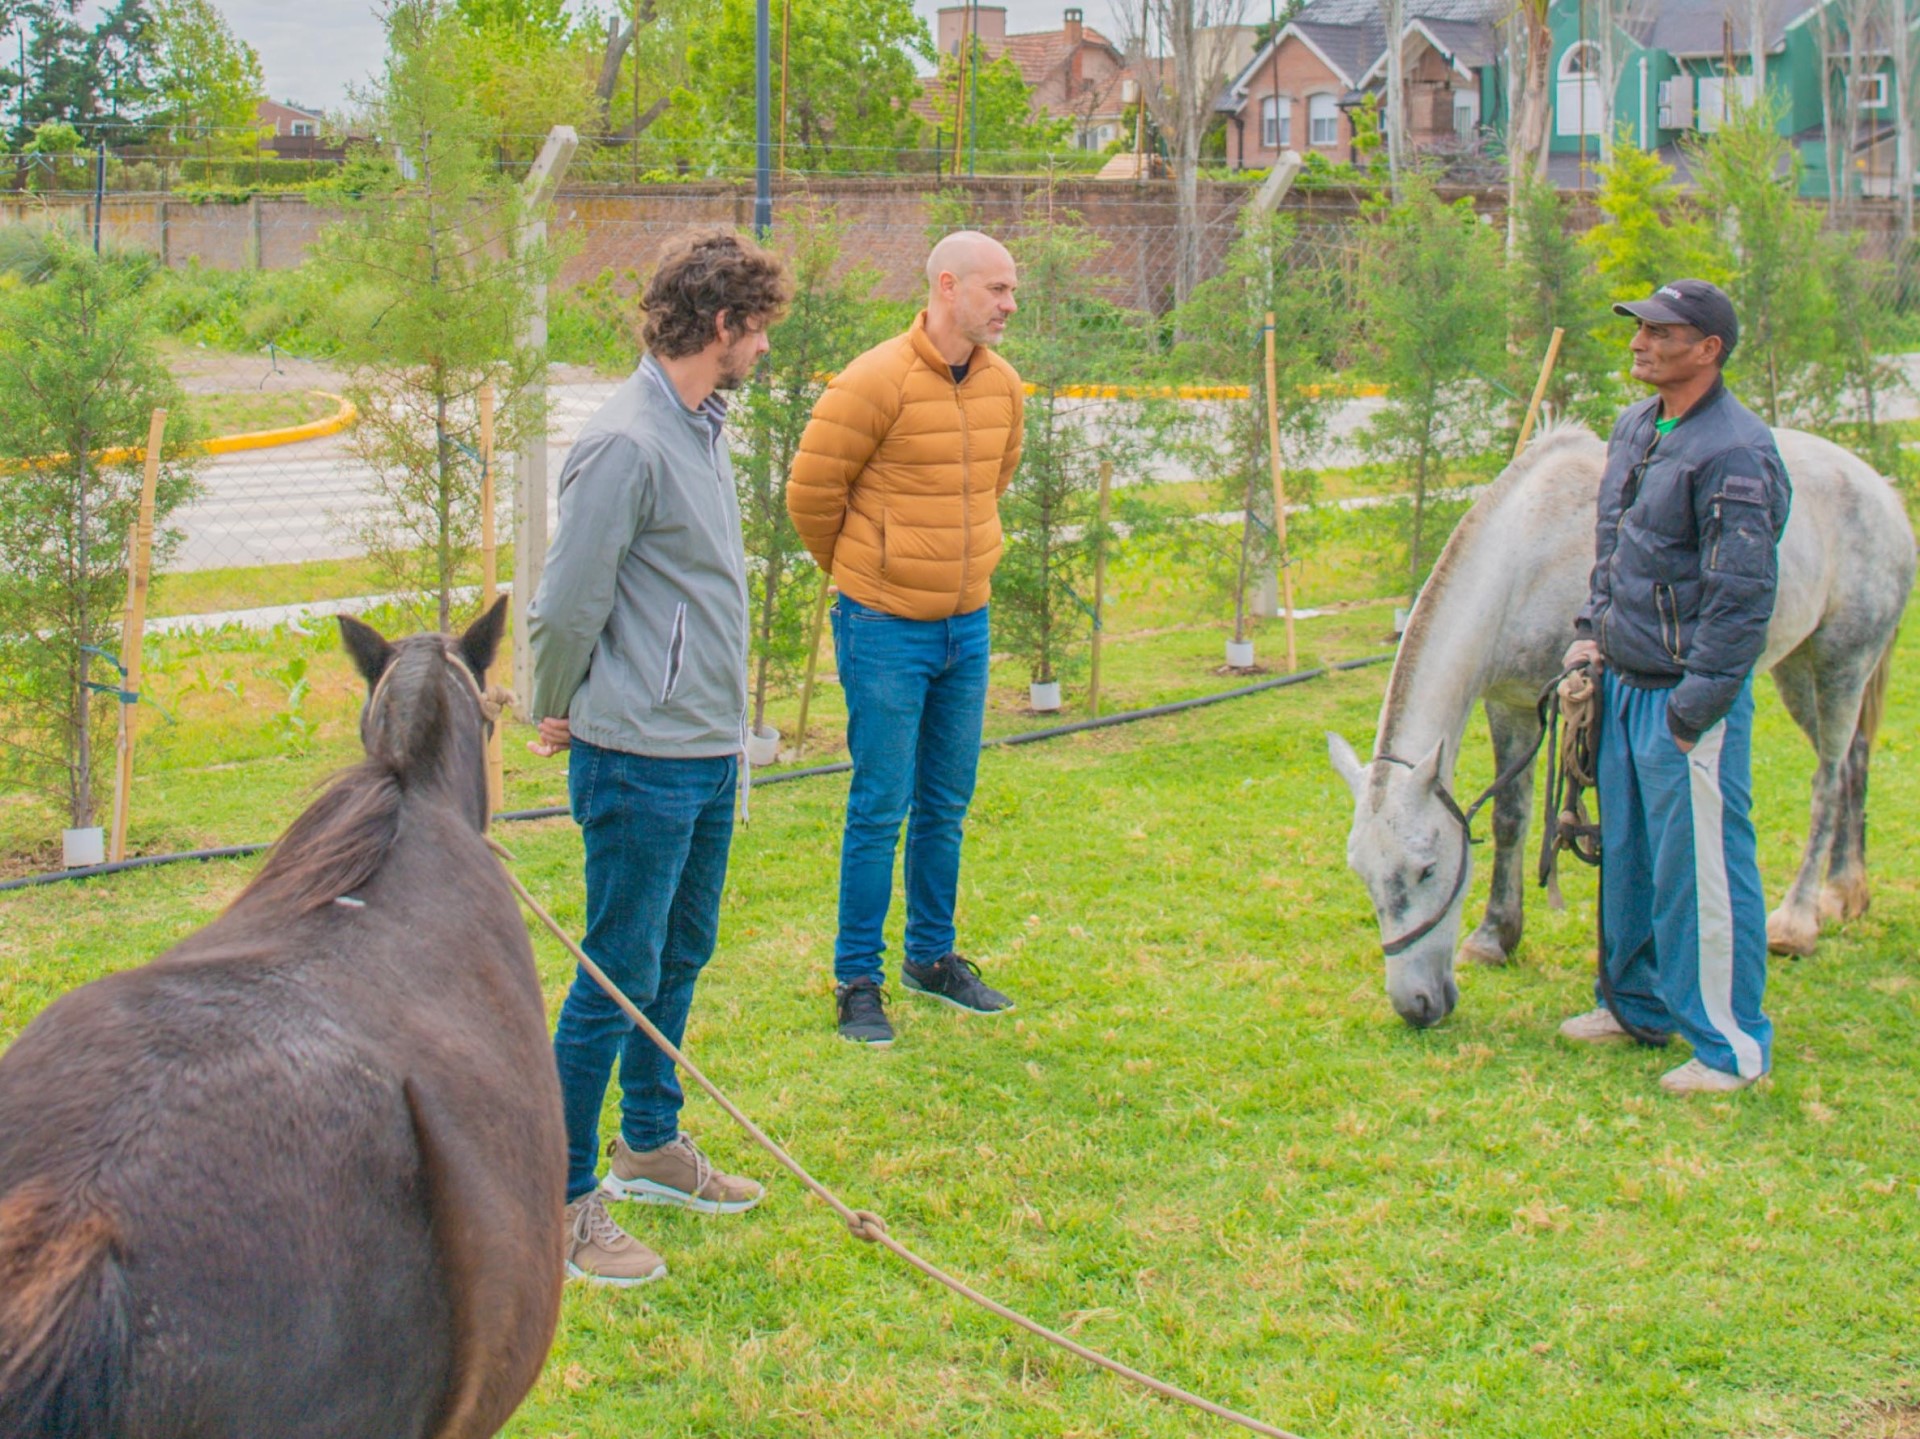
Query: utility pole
762, 122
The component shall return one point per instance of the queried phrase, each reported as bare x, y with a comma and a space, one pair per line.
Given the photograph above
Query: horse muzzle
1421, 999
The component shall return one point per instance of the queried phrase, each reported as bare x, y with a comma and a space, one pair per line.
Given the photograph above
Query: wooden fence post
489, 592
1539, 391
1279, 497
133, 634
1100, 586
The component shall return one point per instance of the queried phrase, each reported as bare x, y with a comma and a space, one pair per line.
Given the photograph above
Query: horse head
1409, 845
428, 713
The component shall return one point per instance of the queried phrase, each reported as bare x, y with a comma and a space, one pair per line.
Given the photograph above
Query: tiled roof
1471, 43
1698, 27
1350, 49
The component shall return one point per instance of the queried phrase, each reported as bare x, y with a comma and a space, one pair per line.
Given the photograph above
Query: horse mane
341, 840
1556, 437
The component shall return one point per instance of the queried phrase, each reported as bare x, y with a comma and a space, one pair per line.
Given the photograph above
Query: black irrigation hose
94, 871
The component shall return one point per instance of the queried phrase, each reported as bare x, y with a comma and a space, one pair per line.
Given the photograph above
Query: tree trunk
443, 505
81, 789
1393, 13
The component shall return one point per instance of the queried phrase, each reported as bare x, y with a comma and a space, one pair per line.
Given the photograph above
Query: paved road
300, 502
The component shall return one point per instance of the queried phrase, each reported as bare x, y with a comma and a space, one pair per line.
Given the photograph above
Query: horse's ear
1426, 774
1346, 763
371, 653
481, 642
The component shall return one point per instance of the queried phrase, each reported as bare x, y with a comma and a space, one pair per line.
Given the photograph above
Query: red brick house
1075, 71
294, 133
1299, 91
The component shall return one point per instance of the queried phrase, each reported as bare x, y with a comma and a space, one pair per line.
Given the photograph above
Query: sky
313, 51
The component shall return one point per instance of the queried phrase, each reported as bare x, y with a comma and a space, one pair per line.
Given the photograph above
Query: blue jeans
657, 833
916, 700
1680, 889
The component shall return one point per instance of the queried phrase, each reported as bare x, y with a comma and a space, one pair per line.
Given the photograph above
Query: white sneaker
1693, 1077
1593, 1027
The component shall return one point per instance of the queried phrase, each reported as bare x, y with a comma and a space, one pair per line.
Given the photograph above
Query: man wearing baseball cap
1691, 508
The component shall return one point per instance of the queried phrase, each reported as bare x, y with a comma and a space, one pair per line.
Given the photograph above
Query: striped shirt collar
713, 409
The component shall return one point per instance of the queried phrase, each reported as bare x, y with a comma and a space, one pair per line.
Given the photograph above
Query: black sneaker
863, 1013
955, 981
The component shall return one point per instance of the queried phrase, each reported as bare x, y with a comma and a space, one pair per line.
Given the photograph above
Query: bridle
1515, 767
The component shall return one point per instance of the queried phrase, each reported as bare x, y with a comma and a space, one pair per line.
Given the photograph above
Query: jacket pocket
1669, 608
676, 652
1743, 542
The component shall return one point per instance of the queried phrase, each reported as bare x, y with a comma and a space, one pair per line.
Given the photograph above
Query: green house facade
1676, 72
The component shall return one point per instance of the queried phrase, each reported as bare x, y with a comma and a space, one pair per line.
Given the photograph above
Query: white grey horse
1492, 624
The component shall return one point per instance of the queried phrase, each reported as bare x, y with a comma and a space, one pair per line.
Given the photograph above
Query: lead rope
1573, 768
862, 1223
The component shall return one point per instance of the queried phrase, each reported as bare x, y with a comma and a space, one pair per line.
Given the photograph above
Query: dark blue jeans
916, 699
657, 833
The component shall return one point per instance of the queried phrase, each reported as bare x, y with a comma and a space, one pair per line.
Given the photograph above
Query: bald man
896, 492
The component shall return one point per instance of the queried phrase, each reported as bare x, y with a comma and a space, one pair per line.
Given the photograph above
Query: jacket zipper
1669, 609
966, 498
740, 578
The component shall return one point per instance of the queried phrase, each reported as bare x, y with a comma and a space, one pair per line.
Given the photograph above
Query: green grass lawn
1203, 1143
235, 412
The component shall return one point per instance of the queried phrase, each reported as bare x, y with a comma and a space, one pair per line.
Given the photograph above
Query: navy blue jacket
1685, 549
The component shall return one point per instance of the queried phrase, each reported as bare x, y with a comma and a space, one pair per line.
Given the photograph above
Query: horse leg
1498, 935
1826, 707
1846, 894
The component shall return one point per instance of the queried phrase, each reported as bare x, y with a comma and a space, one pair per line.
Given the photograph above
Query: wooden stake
1100, 586
1279, 497
813, 660
1539, 391
489, 592
133, 634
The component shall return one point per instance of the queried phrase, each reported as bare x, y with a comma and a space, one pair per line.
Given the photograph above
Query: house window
1718, 94
1323, 121
1872, 90
1577, 97
1466, 113
302, 127
1276, 122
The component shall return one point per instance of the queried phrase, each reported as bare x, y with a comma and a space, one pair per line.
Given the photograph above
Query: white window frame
1467, 103
1578, 92
1711, 106
1872, 91
1323, 121
303, 127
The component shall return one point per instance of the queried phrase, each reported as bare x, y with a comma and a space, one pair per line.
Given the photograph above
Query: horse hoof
1483, 951
1792, 935
1844, 900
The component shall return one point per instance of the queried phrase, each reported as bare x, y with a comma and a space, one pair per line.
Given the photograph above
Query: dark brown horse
301, 1177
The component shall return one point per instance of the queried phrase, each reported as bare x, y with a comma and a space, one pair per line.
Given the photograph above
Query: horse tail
63, 1314
1873, 699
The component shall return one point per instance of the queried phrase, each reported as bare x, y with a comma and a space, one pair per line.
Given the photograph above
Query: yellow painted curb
292, 434
225, 444
1196, 392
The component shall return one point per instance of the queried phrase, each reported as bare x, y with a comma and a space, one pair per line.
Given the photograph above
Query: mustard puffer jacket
896, 486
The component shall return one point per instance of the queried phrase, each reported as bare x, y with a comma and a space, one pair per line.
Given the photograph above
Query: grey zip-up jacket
639, 626
1686, 561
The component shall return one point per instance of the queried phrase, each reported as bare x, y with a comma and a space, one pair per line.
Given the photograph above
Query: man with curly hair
639, 637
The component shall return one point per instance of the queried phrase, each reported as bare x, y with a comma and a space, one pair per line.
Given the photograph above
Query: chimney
1074, 28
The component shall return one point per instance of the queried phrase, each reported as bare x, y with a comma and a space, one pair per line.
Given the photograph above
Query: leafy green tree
428, 302
1050, 511
1223, 340
1854, 381
123, 50
832, 318
851, 82
207, 82
525, 69
1652, 233
60, 81
1749, 175
1551, 283
1426, 270
80, 376
991, 112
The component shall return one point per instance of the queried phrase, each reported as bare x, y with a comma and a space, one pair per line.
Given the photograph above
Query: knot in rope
496, 700
867, 1225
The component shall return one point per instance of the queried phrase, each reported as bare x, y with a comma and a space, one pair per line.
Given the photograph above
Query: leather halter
1467, 841
1517, 766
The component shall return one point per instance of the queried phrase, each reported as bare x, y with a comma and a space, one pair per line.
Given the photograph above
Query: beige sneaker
602, 1252
676, 1173
1693, 1077
1593, 1027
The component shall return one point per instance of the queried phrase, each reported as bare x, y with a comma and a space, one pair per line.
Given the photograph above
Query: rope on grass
861, 1223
